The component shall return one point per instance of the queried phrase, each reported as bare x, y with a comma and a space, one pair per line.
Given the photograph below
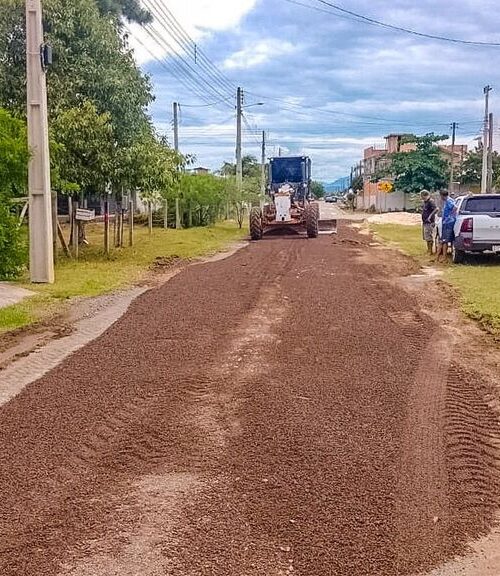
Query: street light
255, 104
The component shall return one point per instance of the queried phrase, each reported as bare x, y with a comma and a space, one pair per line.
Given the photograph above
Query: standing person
448, 223
429, 211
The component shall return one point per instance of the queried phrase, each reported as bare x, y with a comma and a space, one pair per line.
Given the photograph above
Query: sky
318, 81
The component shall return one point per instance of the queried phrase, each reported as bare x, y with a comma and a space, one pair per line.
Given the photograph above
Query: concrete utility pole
176, 126
452, 164
489, 182
263, 165
484, 175
40, 209
239, 165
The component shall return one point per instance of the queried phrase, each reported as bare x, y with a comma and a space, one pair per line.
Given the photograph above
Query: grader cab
289, 203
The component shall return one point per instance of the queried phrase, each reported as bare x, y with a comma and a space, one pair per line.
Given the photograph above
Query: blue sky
331, 85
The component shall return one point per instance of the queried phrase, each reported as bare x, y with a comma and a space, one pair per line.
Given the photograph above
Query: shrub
12, 246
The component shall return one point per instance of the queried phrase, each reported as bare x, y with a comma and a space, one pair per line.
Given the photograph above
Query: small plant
12, 245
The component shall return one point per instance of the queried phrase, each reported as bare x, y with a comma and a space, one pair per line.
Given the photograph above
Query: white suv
477, 228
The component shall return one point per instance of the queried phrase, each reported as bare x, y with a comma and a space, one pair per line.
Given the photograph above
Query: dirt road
289, 410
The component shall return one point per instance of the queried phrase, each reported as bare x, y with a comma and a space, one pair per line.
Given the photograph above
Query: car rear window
482, 205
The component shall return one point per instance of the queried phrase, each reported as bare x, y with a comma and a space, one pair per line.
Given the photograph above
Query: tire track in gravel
423, 482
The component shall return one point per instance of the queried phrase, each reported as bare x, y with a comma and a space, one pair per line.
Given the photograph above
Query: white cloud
199, 18
259, 52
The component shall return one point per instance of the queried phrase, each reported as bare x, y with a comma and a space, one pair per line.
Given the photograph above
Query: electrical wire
170, 16
210, 104
181, 61
172, 68
172, 29
303, 108
199, 81
375, 22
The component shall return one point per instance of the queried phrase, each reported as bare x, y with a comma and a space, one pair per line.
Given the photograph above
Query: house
376, 159
199, 170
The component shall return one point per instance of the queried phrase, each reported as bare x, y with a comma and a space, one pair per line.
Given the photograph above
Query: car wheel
457, 256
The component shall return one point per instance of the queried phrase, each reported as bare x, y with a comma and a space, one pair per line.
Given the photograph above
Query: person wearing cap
429, 211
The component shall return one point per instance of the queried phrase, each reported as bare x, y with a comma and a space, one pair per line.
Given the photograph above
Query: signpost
385, 186
84, 215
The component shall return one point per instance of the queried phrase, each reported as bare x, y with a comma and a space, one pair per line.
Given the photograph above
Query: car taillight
467, 225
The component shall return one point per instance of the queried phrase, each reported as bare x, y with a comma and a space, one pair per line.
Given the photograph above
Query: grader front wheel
255, 224
312, 220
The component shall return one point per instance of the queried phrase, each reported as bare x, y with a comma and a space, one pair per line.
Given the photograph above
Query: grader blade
328, 226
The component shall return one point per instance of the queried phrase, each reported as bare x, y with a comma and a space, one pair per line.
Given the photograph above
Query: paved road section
12, 294
285, 411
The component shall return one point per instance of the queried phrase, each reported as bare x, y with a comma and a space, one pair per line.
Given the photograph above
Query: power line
406, 30
173, 68
210, 104
199, 51
173, 29
198, 80
177, 64
181, 61
250, 129
302, 109
319, 9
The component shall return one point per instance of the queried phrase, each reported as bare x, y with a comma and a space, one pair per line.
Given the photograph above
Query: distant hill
338, 186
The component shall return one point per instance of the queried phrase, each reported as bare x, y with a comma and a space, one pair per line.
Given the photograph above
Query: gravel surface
285, 411
405, 218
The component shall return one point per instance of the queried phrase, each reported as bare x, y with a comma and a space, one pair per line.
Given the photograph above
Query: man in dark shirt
429, 211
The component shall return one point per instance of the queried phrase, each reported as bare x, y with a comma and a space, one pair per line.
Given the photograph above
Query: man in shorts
448, 224
429, 211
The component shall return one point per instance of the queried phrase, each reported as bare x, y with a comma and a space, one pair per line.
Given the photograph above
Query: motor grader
289, 204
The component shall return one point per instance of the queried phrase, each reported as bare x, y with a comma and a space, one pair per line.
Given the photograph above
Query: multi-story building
376, 159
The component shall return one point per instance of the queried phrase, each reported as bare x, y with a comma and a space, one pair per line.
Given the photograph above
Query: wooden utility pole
131, 223
178, 224
106, 226
484, 174
239, 165
176, 126
452, 164
489, 182
40, 201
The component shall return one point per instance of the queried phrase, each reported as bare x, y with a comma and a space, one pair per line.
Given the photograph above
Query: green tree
421, 168
317, 189
91, 62
357, 184
86, 148
152, 167
241, 199
129, 9
249, 164
206, 194
471, 169
14, 157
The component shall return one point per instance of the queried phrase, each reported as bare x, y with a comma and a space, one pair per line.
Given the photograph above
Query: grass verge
94, 273
477, 282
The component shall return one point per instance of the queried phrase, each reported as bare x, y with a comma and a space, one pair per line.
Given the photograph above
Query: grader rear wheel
255, 224
312, 220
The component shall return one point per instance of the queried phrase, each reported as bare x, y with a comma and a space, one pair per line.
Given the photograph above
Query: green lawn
477, 283
94, 273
